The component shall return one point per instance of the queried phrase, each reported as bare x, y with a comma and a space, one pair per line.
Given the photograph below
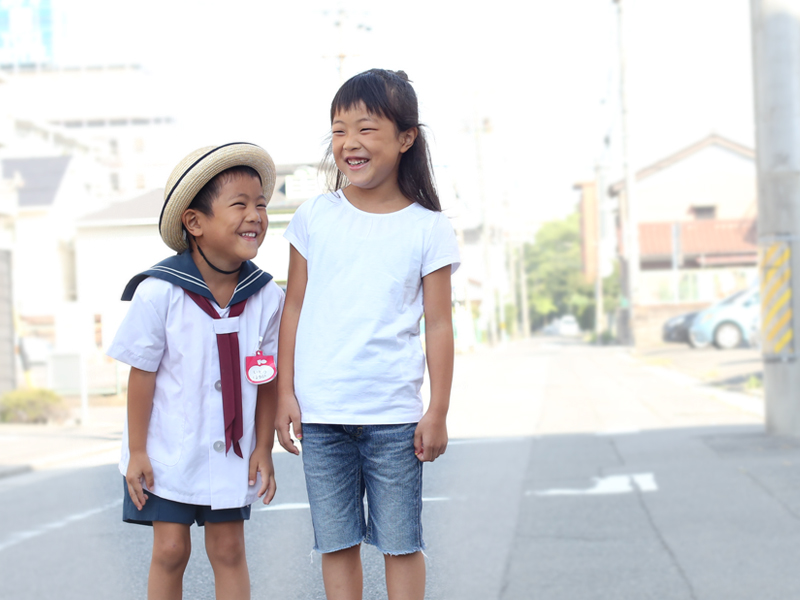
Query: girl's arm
261, 459
141, 387
430, 439
288, 407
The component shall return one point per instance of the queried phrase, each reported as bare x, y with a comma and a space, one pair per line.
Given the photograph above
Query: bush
31, 406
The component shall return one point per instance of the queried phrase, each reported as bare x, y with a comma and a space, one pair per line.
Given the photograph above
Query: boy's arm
141, 386
288, 407
261, 459
430, 439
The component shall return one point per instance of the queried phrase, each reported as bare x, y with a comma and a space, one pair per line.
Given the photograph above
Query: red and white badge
259, 368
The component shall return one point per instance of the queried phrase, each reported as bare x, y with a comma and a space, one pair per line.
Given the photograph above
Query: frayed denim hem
345, 547
399, 553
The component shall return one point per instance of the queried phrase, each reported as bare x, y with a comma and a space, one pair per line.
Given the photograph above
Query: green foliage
34, 405
556, 285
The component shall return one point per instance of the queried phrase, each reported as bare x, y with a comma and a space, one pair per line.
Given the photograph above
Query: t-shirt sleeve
141, 338
441, 247
297, 230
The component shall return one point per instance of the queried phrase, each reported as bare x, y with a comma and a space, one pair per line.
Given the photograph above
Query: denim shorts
342, 464
170, 511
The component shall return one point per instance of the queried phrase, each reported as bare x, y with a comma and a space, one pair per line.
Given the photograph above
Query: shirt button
219, 446
218, 386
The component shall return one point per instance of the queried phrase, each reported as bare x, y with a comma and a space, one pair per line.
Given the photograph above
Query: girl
365, 262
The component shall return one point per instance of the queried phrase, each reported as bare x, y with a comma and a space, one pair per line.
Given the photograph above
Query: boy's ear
191, 222
407, 138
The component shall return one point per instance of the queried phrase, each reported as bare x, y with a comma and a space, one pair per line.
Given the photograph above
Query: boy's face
238, 225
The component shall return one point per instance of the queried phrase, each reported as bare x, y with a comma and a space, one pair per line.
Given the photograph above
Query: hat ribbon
230, 373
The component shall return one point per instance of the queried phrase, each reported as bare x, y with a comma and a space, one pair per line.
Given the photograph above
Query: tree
554, 275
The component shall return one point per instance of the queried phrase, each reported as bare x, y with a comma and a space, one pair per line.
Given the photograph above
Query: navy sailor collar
181, 271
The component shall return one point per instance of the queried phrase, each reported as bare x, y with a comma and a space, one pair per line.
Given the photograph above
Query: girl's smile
367, 148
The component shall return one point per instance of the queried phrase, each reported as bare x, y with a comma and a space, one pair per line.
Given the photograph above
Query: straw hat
196, 170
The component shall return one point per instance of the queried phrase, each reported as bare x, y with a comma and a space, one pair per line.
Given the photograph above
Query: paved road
574, 473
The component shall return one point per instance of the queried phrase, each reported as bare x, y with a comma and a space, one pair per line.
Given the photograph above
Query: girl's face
367, 148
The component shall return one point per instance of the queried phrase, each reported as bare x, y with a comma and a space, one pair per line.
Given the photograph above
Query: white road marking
614, 484
304, 505
285, 506
21, 536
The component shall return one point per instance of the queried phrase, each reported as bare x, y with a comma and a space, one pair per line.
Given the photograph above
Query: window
704, 212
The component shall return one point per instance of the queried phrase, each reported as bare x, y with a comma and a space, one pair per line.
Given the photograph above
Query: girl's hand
139, 468
261, 462
430, 438
288, 416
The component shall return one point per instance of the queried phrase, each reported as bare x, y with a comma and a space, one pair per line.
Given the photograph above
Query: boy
200, 337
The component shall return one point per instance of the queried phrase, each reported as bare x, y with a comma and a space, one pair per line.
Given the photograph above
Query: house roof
702, 237
664, 163
41, 178
146, 209
142, 210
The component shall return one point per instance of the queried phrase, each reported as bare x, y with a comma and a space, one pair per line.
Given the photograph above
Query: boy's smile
238, 226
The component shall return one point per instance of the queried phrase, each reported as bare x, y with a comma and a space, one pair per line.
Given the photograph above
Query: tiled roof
147, 207
41, 178
702, 237
144, 208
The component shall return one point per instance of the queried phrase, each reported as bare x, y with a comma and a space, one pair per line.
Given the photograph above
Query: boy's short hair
204, 200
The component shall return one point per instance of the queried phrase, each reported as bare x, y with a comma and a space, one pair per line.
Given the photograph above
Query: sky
517, 97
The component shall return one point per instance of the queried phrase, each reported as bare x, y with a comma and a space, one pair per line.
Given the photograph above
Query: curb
11, 470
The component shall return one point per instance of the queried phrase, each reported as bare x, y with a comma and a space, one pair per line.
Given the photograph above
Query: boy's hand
288, 415
261, 462
430, 438
139, 468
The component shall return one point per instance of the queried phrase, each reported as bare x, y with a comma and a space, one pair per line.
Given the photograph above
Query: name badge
259, 368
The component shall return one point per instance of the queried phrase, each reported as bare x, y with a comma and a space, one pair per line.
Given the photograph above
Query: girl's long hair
388, 94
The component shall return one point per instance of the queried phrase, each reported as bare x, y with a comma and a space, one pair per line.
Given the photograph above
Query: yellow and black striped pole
777, 322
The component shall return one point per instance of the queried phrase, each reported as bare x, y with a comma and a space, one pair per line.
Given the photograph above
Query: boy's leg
225, 548
172, 546
405, 576
342, 574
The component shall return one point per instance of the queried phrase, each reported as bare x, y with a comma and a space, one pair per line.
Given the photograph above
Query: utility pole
630, 225
776, 78
600, 196
488, 298
522, 276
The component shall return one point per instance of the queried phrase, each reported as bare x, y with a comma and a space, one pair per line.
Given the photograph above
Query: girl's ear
191, 222
407, 139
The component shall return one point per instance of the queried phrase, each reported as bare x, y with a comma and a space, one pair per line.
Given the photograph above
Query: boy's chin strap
209, 263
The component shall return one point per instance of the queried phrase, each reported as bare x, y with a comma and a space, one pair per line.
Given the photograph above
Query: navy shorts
169, 511
345, 463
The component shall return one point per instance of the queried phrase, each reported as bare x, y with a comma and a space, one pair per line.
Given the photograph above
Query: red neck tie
230, 373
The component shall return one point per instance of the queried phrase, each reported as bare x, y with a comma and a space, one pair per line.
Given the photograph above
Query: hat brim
195, 171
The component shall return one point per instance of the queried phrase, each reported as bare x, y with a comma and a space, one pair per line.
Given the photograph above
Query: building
696, 211
26, 33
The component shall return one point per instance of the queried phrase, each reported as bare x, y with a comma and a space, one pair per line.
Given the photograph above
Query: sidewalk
29, 447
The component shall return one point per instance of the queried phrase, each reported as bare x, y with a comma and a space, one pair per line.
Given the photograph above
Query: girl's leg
405, 576
342, 575
225, 548
172, 546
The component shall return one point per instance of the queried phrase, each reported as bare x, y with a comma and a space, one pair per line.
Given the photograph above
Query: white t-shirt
358, 356
166, 332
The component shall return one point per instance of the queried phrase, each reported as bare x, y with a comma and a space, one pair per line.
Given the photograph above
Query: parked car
568, 326
676, 329
728, 323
